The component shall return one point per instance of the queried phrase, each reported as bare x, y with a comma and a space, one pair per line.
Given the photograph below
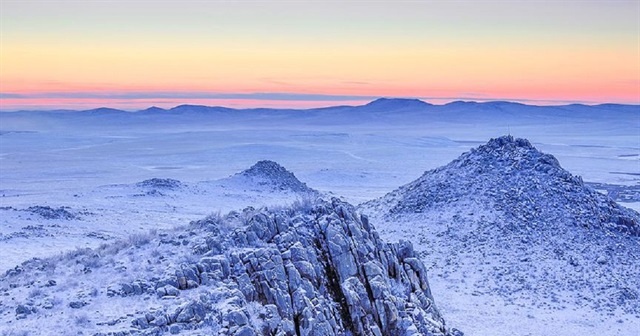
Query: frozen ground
90, 164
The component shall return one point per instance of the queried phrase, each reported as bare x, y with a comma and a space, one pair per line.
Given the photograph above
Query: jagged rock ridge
314, 269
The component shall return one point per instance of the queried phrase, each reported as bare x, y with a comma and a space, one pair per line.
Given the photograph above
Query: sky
132, 54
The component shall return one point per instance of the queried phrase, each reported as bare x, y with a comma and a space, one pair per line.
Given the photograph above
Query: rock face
272, 174
506, 220
515, 178
324, 272
312, 269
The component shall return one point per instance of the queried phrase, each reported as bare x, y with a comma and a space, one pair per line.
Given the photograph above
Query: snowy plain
92, 162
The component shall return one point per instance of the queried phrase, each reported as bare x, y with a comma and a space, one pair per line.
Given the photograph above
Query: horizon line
365, 100
133, 101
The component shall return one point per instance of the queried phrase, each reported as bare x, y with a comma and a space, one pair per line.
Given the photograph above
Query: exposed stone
161, 183
312, 270
167, 290
23, 310
238, 317
77, 304
245, 331
192, 311
48, 212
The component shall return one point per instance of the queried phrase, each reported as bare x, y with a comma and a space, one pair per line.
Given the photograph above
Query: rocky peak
267, 168
507, 142
532, 229
513, 176
268, 172
507, 151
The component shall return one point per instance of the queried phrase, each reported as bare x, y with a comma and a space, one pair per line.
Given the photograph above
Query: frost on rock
523, 227
515, 178
312, 269
272, 174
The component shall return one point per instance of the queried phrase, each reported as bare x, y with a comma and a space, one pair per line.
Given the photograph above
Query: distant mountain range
378, 113
381, 104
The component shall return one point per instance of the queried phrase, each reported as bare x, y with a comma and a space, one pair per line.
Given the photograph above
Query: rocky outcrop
316, 268
48, 212
269, 173
160, 183
513, 177
316, 271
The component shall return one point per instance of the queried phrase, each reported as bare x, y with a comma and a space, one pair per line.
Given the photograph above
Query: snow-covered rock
311, 269
160, 183
48, 212
513, 177
271, 174
506, 220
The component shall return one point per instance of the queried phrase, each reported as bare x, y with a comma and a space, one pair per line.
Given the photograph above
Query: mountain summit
512, 176
270, 173
506, 220
397, 104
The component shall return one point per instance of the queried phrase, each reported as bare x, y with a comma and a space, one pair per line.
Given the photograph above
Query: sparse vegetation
140, 239
82, 320
35, 292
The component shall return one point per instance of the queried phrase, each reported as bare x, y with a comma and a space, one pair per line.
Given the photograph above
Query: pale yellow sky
584, 51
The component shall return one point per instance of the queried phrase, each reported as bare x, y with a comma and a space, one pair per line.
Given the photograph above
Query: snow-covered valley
72, 180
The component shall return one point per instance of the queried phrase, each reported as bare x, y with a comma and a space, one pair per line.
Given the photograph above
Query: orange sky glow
137, 54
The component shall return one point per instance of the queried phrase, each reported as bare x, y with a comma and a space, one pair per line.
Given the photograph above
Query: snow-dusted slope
505, 223
511, 176
34, 226
313, 269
